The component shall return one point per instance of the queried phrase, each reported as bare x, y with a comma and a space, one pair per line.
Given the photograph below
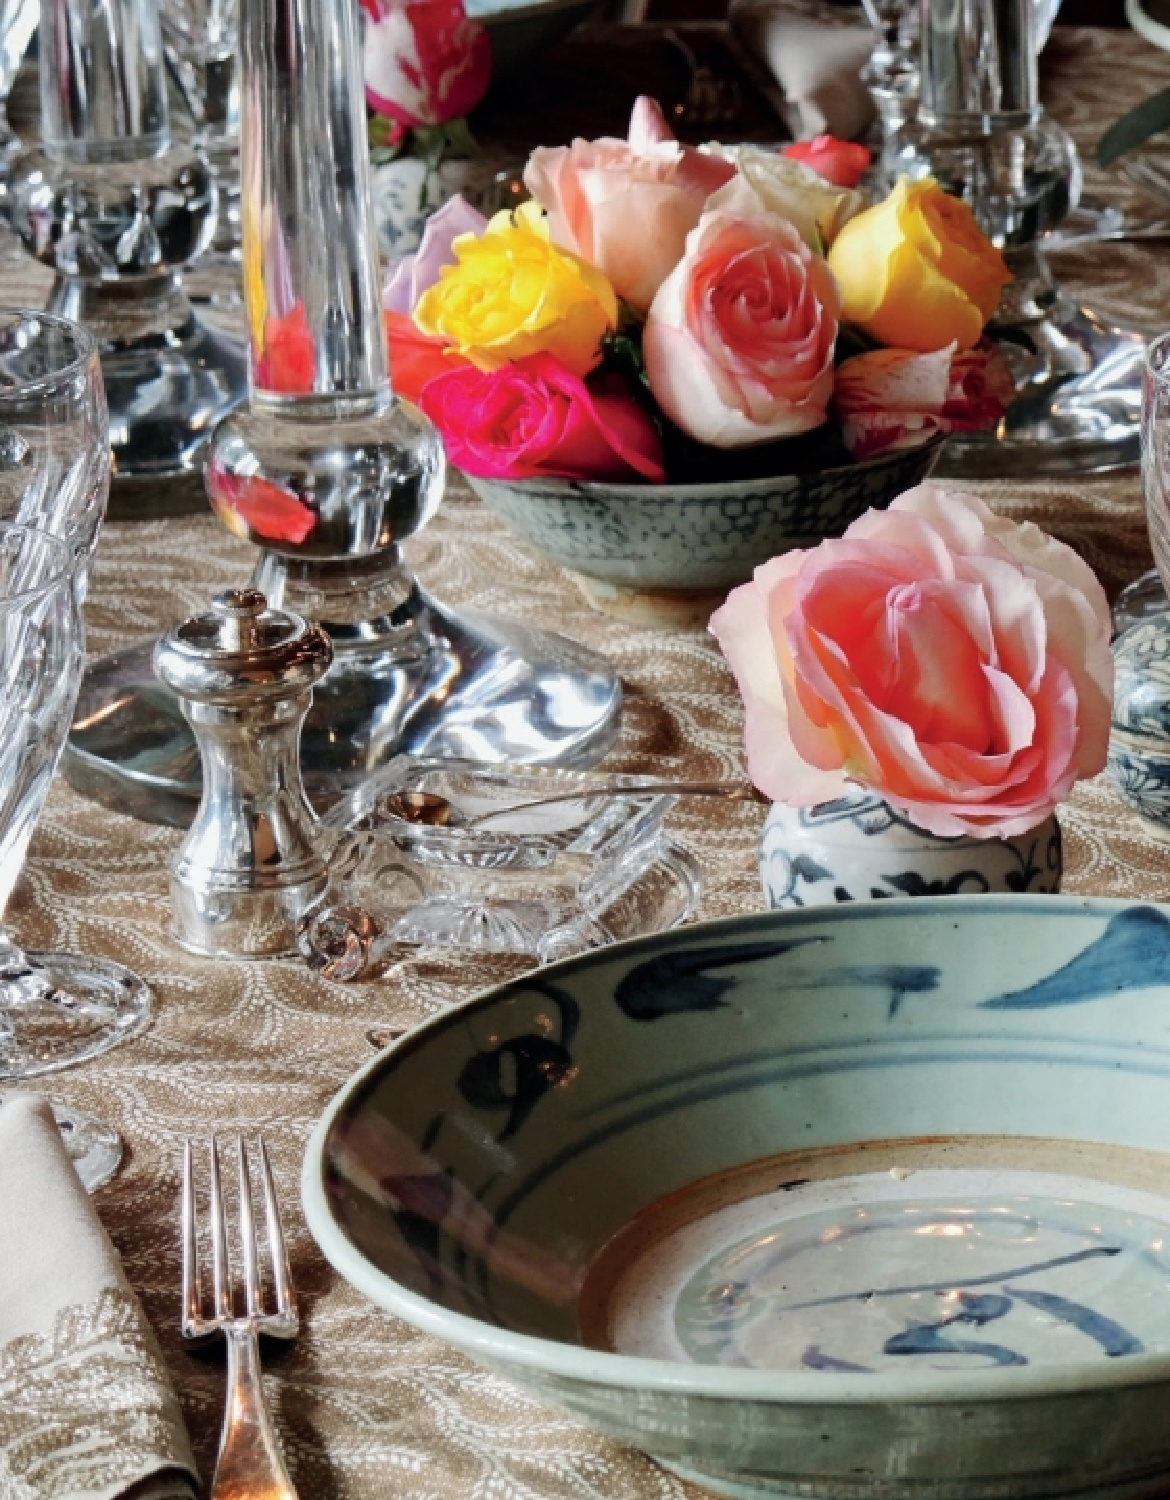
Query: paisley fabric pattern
96, 1358
366, 1406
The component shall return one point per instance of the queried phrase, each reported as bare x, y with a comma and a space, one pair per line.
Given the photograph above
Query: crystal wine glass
55, 1009
1146, 595
54, 434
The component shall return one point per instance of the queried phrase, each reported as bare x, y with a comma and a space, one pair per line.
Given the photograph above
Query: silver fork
249, 1465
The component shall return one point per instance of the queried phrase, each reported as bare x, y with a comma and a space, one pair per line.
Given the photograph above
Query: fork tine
281, 1271
190, 1249
221, 1273
252, 1287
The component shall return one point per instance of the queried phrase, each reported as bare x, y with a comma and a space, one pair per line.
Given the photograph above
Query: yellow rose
513, 293
917, 272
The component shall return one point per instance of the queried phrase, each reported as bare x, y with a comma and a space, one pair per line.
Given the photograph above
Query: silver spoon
435, 811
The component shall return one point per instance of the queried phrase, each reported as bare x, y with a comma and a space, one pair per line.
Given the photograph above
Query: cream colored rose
787, 188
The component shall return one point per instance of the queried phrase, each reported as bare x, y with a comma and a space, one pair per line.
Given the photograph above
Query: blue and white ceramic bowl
866, 1201
669, 554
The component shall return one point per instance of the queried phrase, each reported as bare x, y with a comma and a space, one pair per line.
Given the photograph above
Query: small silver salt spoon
433, 810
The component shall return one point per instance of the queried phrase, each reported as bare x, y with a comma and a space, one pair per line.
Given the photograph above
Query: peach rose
738, 343
953, 662
626, 206
891, 399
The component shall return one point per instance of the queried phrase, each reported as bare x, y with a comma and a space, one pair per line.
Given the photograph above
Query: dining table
367, 1406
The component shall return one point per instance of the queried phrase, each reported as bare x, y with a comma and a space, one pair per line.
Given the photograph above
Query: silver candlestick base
1078, 387
169, 379
422, 680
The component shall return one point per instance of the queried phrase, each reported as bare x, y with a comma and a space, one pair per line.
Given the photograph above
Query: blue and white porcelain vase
858, 848
1139, 742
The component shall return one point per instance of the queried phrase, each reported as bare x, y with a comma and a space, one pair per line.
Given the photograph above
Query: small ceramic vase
857, 848
1139, 742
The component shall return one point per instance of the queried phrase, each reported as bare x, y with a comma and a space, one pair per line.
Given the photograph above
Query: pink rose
425, 61
953, 662
626, 206
536, 419
738, 343
893, 398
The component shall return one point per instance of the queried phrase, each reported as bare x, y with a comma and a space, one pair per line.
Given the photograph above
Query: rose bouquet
659, 311
952, 662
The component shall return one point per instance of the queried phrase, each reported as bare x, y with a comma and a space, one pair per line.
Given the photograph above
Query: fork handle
249, 1462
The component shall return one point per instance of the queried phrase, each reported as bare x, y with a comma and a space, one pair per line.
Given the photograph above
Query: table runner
366, 1406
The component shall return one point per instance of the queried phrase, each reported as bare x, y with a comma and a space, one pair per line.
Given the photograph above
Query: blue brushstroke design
949, 1286
931, 1340
815, 1358
1133, 953
675, 983
1113, 1338
981, 1307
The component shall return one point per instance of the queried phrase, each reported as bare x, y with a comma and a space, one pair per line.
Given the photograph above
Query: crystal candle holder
328, 472
981, 131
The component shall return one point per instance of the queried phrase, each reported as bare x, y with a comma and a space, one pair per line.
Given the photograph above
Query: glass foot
64, 1009
94, 1149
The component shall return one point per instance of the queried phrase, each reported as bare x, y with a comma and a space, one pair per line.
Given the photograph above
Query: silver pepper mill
248, 868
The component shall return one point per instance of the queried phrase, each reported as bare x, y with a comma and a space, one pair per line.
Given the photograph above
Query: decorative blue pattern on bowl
874, 1200
685, 537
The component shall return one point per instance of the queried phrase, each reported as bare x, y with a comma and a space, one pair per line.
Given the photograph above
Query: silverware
249, 1465
436, 811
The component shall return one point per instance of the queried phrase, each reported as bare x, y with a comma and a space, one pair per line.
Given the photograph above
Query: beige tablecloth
366, 1406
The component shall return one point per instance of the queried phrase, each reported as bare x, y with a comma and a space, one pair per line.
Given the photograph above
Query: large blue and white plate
851, 1202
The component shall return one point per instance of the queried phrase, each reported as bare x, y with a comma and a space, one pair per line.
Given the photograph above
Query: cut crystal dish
543, 881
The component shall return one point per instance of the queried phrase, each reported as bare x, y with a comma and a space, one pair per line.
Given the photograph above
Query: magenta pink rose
626, 207
535, 419
739, 340
425, 61
953, 662
892, 399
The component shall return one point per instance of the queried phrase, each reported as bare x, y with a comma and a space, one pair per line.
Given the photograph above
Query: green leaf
461, 144
1148, 118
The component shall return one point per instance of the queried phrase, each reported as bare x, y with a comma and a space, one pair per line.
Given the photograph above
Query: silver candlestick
981, 131
116, 207
328, 472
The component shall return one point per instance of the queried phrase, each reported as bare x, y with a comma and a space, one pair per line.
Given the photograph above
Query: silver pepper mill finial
248, 868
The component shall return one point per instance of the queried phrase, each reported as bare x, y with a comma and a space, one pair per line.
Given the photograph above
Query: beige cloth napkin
87, 1411
815, 60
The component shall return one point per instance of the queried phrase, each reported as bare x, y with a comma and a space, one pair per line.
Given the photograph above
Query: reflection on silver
115, 208
248, 868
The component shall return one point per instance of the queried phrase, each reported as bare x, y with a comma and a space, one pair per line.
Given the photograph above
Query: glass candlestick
982, 132
116, 208
328, 472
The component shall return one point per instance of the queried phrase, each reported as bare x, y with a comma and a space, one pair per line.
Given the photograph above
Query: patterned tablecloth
367, 1406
